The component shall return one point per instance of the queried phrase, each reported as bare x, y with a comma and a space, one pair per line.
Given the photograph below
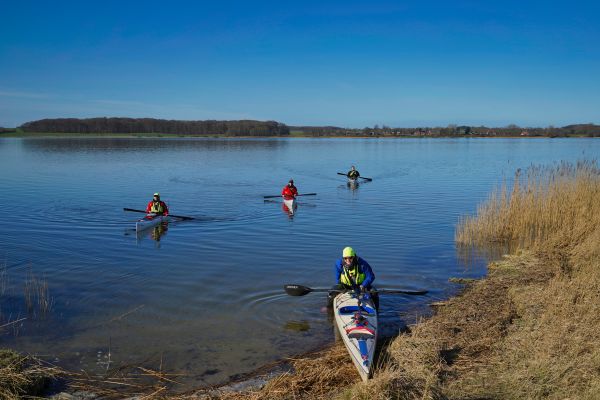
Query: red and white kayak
291, 204
357, 323
149, 221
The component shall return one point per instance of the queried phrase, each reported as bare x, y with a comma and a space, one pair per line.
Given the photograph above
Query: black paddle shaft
300, 290
279, 195
170, 215
361, 177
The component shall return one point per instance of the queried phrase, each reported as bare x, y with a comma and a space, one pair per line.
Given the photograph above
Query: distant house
524, 133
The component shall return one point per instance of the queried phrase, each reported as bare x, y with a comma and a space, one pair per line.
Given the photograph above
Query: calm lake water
205, 296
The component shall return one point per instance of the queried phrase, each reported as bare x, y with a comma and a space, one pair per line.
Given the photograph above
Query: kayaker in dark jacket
353, 173
156, 206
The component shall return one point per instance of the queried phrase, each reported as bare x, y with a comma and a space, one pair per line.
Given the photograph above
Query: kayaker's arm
338, 271
369, 274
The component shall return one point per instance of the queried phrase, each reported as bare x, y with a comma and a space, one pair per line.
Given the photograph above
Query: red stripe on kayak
360, 328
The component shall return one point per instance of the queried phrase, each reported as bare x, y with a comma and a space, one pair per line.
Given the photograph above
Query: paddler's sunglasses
348, 258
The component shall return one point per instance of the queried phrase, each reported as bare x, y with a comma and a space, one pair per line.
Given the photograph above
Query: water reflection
126, 144
476, 255
155, 233
353, 184
290, 207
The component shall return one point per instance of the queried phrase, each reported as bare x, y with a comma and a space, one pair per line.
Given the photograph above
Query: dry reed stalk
12, 322
3, 279
123, 382
37, 295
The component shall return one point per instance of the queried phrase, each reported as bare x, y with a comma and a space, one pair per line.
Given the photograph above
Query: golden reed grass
545, 201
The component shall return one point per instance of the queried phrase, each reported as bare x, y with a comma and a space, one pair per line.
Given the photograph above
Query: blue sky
344, 63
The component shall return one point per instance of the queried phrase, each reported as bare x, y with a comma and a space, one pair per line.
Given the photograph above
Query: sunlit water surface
204, 297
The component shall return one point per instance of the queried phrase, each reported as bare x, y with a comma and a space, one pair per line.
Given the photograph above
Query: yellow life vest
157, 207
351, 276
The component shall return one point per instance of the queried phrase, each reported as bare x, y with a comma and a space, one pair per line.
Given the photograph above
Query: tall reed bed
545, 201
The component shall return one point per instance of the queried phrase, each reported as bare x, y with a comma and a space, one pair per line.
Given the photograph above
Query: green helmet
157, 194
348, 252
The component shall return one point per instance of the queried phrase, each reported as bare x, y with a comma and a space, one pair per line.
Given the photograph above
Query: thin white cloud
122, 103
24, 95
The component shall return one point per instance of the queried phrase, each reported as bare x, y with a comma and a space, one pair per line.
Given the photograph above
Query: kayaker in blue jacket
352, 273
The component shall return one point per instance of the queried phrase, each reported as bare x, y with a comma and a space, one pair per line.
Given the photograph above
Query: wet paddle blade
296, 290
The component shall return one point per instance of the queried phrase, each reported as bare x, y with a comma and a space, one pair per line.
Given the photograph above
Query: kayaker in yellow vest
353, 173
156, 206
352, 273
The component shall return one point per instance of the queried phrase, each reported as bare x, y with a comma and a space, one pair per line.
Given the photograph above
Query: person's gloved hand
366, 296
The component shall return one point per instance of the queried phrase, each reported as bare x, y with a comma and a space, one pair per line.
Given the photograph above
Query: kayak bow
148, 222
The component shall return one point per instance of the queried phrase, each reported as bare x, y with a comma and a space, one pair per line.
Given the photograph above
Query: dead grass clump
317, 376
125, 381
22, 376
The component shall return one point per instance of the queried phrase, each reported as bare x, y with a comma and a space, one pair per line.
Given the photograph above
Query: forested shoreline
589, 130
151, 126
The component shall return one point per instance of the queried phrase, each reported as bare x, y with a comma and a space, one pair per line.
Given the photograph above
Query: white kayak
291, 204
357, 324
148, 222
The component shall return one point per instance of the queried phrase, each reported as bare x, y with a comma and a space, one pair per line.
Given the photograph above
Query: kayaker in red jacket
156, 206
289, 191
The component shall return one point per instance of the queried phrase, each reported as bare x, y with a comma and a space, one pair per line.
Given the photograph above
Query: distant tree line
589, 130
273, 128
151, 125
